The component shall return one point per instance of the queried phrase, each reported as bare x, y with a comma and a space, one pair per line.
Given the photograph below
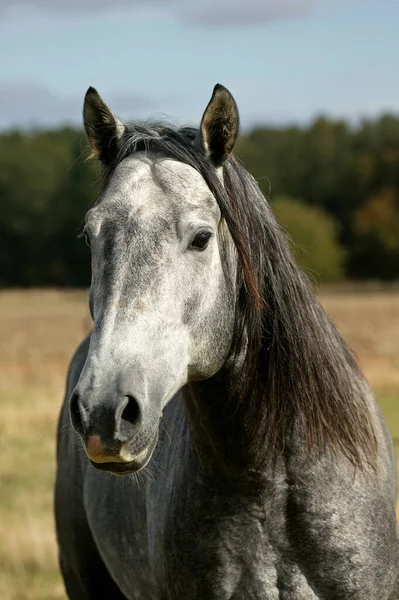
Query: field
39, 331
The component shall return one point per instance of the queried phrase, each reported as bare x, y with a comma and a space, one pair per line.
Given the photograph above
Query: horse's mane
297, 369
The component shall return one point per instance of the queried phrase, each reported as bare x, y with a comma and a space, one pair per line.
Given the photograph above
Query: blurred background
317, 88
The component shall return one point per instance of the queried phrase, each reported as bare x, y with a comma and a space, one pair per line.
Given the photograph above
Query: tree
376, 224
313, 236
350, 173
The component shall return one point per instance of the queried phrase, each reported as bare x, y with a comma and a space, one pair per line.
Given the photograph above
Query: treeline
335, 189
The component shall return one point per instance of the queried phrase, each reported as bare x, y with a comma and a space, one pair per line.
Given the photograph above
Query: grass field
39, 331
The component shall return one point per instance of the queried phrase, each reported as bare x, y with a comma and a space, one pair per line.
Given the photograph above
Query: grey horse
218, 439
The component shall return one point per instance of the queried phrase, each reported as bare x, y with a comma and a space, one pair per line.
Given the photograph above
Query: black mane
297, 368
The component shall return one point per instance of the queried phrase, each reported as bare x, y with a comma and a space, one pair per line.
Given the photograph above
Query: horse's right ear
103, 128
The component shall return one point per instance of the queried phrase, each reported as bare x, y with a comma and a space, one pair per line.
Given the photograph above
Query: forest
334, 187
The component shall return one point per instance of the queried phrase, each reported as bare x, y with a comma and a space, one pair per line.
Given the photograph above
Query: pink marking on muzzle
94, 447
98, 453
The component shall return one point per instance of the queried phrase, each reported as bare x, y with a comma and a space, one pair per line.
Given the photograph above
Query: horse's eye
201, 240
87, 239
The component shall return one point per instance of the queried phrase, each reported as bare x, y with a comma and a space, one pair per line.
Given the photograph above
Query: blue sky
283, 60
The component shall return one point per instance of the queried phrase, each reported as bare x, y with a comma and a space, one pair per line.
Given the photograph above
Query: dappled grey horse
256, 463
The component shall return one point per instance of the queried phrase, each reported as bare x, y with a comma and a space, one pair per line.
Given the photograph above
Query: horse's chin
131, 467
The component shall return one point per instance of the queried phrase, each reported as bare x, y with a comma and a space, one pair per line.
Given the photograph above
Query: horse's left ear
219, 126
103, 128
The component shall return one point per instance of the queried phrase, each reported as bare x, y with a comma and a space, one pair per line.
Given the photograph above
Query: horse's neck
217, 431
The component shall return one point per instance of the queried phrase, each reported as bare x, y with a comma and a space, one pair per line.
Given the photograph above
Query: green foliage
376, 224
313, 235
46, 186
337, 168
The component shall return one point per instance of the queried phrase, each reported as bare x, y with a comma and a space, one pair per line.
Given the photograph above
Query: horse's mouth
127, 468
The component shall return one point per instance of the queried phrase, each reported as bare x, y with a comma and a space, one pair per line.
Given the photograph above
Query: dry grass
39, 331
370, 323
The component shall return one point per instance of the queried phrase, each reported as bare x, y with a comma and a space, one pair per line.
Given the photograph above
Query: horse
218, 439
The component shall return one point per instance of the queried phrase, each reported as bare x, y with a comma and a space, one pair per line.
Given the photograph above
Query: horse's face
163, 303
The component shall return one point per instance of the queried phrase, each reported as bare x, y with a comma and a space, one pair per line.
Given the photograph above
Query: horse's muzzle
113, 432
125, 468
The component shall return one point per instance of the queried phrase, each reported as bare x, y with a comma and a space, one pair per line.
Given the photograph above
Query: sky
284, 61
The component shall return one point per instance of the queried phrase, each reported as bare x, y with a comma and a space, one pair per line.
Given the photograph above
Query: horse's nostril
129, 417
76, 415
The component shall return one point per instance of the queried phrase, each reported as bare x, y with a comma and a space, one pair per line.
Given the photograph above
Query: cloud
26, 104
250, 12
207, 12
64, 6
